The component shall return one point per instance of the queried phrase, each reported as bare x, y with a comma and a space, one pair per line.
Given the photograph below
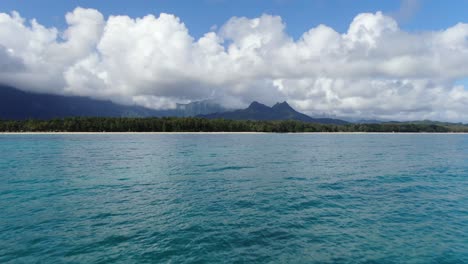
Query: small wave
295, 178
227, 168
107, 242
103, 215
244, 204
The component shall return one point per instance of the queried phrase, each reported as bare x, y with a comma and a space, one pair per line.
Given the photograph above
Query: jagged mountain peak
258, 106
280, 111
283, 106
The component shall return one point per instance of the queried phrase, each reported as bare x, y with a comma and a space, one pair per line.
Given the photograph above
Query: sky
402, 60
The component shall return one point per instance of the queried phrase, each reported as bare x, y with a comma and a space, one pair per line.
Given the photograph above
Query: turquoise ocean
234, 198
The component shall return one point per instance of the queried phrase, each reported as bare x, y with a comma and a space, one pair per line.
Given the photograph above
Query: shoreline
227, 133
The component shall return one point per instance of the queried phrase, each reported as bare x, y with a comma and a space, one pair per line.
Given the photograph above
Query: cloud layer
374, 70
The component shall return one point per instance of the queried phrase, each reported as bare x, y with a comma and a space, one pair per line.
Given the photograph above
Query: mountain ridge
17, 104
279, 111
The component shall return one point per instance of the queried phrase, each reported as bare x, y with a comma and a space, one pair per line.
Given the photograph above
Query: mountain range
280, 111
19, 105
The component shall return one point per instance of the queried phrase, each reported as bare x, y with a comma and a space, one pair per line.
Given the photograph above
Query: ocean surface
234, 198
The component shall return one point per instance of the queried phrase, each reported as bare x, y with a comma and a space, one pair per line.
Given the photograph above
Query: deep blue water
266, 198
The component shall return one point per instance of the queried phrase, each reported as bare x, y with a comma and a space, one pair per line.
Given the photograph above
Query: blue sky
299, 15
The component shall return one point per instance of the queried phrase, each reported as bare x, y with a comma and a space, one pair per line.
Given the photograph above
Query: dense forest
192, 124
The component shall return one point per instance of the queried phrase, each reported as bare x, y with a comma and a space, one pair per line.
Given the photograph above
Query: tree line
194, 124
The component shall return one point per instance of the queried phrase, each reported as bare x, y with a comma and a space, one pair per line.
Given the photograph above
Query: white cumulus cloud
373, 70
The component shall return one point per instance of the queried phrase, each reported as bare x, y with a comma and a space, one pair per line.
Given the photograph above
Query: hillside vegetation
194, 124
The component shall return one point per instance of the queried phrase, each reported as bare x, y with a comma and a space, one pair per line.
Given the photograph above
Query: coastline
226, 133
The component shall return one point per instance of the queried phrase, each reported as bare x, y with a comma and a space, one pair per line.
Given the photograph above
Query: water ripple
233, 198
